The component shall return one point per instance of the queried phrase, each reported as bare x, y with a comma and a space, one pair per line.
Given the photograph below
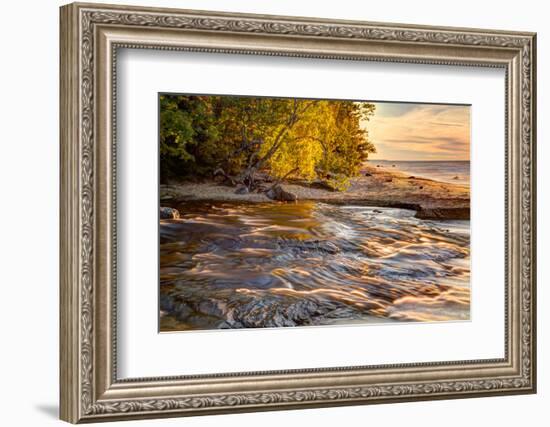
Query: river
245, 265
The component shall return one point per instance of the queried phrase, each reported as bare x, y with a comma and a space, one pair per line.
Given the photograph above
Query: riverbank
376, 186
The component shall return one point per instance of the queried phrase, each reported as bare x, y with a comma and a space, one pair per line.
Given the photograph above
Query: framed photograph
266, 212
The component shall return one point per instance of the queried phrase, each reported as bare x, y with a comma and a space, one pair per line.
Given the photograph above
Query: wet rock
313, 245
280, 194
212, 308
169, 213
443, 213
275, 311
342, 313
174, 307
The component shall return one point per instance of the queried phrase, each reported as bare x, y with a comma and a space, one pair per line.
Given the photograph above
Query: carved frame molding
90, 37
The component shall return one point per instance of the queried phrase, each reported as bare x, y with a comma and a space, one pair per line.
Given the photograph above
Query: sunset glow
420, 131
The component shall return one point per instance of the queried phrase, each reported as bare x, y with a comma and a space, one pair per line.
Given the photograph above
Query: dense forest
241, 138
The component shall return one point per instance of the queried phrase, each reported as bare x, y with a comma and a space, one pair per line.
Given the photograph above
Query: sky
403, 131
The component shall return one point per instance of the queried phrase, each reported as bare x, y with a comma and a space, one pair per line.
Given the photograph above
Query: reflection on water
235, 265
455, 172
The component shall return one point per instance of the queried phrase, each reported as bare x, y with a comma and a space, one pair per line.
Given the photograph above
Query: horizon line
418, 160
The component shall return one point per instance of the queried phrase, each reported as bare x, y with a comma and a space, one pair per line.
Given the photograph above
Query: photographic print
287, 212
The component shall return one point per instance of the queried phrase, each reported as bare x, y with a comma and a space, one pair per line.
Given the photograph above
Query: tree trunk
254, 164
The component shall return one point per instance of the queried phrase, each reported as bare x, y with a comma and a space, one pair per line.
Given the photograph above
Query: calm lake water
454, 172
237, 265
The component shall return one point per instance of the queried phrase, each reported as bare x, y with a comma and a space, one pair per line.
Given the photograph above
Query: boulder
169, 213
278, 193
241, 189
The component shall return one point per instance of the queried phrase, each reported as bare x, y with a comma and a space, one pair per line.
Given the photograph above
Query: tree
189, 136
239, 136
346, 145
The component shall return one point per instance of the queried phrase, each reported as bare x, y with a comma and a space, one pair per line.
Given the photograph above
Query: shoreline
376, 187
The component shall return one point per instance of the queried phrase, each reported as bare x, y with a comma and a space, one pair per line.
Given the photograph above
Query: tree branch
279, 180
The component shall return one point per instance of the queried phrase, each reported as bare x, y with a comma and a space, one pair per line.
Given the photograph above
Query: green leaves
310, 138
188, 135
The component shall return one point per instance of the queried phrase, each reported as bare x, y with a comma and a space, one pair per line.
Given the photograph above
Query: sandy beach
376, 186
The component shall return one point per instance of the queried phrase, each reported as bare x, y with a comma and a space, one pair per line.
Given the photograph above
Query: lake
457, 172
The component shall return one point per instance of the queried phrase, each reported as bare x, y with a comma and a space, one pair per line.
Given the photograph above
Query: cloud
394, 109
420, 132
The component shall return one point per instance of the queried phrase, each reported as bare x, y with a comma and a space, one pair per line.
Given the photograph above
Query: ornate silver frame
90, 36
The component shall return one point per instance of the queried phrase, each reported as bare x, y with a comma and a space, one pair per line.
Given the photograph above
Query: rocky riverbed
254, 265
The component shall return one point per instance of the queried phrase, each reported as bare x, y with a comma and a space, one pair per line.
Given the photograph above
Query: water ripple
232, 265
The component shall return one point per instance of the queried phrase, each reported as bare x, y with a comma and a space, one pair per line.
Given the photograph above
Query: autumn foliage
241, 137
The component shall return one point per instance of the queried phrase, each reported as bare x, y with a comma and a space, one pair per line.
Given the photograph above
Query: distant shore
375, 186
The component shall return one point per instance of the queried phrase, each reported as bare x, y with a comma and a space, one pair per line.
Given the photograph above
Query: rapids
253, 265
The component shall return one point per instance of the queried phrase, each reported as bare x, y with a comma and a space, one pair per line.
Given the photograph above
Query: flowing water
238, 265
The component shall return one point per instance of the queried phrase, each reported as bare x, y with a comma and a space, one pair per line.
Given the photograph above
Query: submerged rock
279, 193
309, 245
169, 213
